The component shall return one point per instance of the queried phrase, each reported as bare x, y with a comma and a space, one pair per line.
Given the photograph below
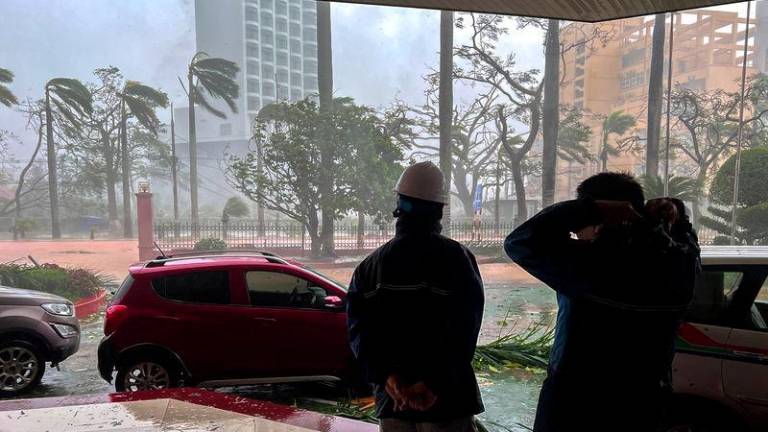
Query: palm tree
616, 123
72, 101
445, 108
207, 77
683, 188
6, 97
140, 101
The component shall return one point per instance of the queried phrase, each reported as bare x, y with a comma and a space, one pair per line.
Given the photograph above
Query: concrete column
144, 218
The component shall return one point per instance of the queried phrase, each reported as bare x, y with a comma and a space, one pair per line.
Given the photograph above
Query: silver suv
35, 328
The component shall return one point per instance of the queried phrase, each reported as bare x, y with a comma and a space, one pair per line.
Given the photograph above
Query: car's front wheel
146, 374
21, 367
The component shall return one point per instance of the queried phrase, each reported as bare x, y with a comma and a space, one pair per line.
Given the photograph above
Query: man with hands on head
414, 310
624, 272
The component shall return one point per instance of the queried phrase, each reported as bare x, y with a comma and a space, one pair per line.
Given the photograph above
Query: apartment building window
251, 31
581, 48
310, 83
578, 93
295, 46
310, 66
281, 24
267, 71
631, 79
295, 62
694, 84
252, 67
633, 57
266, 36
294, 13
310, 50
266, 18
282, 42
296, 79
281, 8
309, 4
282, 92
579, 104
309, 17
253, 85
296, 94
252, 50
282, 76
253, 103
579, 71
268, 89
581, 61
722, 56
251, 14
267, 5
267, 53
282, 59
295, 30
310, 36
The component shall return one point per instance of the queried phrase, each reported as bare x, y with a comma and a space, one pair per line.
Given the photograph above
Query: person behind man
414, 310
624, 276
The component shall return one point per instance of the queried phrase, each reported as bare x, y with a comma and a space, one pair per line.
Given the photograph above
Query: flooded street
510, 396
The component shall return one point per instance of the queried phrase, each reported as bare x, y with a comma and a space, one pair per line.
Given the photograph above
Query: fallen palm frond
529, 349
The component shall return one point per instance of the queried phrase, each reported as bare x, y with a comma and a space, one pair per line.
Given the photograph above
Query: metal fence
292, 236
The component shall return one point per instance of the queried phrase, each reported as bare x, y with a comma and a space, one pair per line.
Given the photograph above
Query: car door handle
265, 320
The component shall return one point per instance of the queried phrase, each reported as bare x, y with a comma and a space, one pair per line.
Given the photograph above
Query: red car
223, 320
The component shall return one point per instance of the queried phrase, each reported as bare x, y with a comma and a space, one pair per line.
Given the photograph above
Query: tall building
274, 42
606, 76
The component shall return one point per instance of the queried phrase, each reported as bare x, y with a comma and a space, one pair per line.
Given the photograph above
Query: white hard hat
423, 181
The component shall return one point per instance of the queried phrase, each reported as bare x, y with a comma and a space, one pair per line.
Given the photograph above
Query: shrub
210, 243
70, 283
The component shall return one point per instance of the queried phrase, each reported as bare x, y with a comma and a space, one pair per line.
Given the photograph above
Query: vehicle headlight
61, 309
64, 330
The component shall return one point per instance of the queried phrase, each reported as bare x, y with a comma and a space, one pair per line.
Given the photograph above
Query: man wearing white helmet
415, 306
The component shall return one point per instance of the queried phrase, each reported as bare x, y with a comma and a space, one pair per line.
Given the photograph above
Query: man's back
415, 308
620, 301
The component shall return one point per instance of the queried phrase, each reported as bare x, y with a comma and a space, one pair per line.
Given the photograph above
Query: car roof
733, 255
194, 261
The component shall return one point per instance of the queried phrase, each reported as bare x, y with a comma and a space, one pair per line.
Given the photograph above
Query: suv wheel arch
155, 351
30, 337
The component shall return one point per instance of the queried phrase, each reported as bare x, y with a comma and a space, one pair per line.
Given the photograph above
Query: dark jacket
415, 307
620, 301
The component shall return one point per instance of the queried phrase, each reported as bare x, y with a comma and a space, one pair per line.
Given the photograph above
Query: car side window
274, 289
711, 296
209, 287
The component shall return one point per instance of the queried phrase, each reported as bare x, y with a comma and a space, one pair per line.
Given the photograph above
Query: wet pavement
510, 396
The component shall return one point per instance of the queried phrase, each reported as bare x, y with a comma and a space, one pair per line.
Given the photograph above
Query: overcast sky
379, 53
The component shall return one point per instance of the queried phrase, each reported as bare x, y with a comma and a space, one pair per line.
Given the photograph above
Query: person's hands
616, 212
663, 211
394, 388
420, 397
417, 397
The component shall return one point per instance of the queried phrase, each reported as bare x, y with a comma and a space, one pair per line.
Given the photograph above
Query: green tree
683, 188
140, 102
615, 123
283, 172
207, 77
71, 101
752, 210
234, 207
7, 98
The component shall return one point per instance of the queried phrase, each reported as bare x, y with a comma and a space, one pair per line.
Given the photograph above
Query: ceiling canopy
571, 10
